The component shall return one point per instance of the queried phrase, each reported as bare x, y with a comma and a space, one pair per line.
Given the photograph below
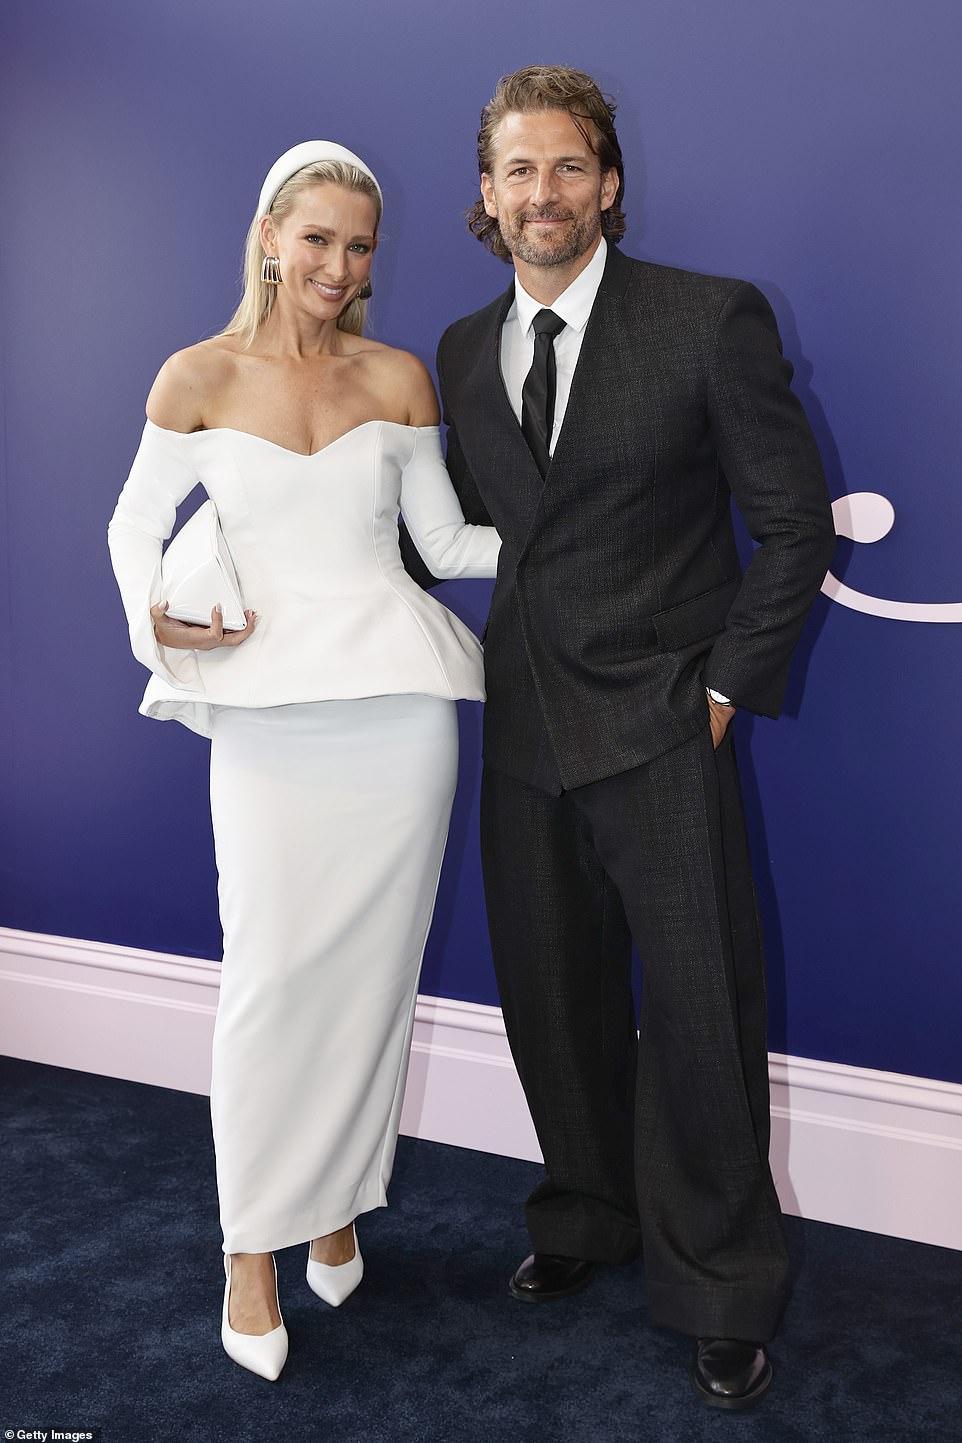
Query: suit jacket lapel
505, 437
597, 374
493, 354
483, 367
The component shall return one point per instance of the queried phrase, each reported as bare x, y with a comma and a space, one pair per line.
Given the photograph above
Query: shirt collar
574, 304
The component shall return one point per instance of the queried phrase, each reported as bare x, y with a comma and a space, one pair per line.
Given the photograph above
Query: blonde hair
257, 298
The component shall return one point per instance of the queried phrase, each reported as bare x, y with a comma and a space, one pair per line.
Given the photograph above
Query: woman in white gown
331, 715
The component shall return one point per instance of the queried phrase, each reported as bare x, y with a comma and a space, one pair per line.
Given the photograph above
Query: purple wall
814, 149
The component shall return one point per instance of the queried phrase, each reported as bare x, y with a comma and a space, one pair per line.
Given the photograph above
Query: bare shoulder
405, 384
188, 382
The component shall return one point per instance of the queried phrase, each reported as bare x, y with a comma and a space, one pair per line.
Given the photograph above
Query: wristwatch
717, 696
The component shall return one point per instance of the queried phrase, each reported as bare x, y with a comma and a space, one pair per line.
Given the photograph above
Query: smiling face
325, 244
546, 189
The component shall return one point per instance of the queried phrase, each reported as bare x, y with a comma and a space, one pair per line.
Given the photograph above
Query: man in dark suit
602, 413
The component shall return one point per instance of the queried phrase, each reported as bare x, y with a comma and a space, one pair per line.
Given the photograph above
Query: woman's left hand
185, 636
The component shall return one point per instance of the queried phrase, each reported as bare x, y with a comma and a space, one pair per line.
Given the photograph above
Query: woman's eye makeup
361, 247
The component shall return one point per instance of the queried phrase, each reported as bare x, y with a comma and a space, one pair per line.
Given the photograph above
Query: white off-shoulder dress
333, 765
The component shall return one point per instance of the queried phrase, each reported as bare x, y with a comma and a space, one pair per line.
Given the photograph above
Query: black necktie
538, 392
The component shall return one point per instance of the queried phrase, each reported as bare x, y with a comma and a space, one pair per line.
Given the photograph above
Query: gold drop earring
271, 271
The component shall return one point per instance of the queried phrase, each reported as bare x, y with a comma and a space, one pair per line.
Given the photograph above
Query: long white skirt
330, 820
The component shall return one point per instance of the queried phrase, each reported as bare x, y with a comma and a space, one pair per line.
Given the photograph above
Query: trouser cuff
579, 1237
712, 1310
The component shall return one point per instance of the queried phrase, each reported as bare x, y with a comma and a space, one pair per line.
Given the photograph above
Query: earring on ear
271, 271
365, 293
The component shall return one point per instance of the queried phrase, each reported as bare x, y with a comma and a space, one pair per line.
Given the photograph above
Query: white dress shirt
517, 346
517, 336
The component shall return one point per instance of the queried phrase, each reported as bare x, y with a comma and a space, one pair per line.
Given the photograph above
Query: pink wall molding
853, 1146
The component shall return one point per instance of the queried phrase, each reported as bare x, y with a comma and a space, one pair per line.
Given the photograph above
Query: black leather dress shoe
727, 1373
544, 1276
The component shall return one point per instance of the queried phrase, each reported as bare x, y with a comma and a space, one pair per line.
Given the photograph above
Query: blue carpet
114, 1287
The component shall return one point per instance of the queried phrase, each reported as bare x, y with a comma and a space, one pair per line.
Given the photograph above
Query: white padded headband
309, 152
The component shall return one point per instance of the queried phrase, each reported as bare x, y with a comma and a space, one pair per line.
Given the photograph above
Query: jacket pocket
693, 620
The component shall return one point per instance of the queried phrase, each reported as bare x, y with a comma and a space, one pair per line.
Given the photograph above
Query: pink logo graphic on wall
867, 516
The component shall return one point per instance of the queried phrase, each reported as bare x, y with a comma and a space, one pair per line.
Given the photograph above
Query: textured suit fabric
662, 1141
606, 815
619, 593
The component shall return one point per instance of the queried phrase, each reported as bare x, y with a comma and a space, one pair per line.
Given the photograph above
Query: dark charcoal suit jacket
619, 594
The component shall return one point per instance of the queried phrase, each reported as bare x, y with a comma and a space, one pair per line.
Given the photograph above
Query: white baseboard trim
850, 1145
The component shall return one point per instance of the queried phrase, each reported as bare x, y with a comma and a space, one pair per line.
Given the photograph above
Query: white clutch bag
198, 573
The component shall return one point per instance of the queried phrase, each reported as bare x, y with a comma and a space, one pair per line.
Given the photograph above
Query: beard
553, 249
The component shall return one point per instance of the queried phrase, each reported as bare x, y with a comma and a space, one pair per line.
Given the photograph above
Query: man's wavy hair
550, 87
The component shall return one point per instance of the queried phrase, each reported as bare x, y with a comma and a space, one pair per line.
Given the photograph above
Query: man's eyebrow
557, 160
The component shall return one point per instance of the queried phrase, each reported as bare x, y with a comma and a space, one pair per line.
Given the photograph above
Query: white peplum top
315, 543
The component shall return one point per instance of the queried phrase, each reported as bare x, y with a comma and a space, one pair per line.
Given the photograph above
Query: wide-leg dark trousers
658, 1143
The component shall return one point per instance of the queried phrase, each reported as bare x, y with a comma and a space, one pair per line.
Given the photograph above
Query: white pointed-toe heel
334, 1284
262, 1353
